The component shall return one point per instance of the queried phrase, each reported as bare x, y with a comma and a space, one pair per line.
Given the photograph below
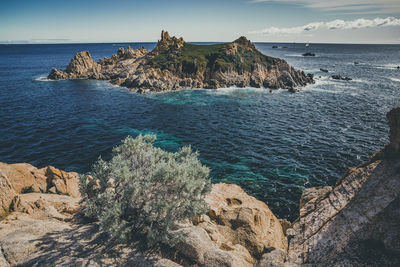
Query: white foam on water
234, 89
43, 79
394, 79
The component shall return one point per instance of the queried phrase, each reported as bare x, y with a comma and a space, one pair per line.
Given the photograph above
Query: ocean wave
394, 79
234, 90
387, 66
299, 55
43, 79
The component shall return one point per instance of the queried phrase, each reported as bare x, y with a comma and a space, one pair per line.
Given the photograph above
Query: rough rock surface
45, 229
81, 66
237, 230
175, 64
25, 178
355, 223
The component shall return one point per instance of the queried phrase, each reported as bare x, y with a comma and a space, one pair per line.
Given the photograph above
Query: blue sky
340, 21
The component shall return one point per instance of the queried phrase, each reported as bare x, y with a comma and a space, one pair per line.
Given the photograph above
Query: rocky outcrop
81, 66
24, 178
44, 228
238, 230
175, 64
354, 223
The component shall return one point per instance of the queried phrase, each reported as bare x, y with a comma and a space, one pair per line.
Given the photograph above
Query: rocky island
353, 223
175, 64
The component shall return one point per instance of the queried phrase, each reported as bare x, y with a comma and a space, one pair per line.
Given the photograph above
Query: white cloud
361, 6
331, 25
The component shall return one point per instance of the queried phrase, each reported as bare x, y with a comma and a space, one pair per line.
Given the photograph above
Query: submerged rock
339, 77
308, 54
324, 70
175, 64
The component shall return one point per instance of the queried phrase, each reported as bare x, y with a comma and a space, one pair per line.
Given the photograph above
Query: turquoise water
272, 144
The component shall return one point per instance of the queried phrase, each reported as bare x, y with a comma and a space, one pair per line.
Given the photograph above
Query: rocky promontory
175, 64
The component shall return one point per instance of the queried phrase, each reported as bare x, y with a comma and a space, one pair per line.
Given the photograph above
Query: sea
274, 144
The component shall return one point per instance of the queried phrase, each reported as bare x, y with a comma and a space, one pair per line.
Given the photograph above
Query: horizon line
151, 42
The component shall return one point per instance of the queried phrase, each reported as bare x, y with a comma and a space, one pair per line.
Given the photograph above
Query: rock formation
238, 230
356, 222
16, 179
175, 64
44, 228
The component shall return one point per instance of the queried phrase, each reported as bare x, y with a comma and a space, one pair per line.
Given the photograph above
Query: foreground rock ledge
175, 64
41, 226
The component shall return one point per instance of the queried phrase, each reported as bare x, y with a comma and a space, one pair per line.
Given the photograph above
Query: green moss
196, 59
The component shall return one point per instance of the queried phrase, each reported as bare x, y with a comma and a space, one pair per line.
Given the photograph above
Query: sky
316, 21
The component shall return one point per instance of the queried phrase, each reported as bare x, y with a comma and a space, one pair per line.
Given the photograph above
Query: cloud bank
331, 25
356, 6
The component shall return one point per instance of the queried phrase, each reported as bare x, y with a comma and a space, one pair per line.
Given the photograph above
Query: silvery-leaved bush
144, 191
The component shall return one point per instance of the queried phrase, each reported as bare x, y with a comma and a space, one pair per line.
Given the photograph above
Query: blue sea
273, 144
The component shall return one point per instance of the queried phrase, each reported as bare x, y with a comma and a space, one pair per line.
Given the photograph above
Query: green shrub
143, 191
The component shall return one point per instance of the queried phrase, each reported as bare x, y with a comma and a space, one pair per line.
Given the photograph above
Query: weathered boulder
237, 230
24, 178
275, 258
355, 223
242, 219
65, 183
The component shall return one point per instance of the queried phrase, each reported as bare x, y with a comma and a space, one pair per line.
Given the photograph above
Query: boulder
237, 230
24, 176
65, 183
242, 219
56, 74
275, 258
